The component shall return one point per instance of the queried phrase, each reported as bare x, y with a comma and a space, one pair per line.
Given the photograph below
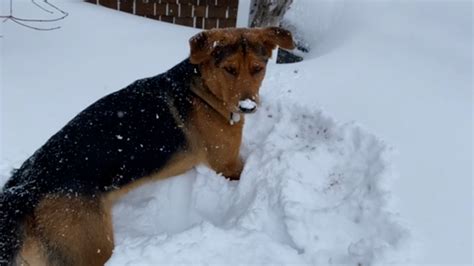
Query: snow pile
311, 192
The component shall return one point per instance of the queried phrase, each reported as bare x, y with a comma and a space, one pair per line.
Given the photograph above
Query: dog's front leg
227, 162
233, 169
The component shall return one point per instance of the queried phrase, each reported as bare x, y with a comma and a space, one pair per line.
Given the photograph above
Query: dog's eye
231, 70
255, 70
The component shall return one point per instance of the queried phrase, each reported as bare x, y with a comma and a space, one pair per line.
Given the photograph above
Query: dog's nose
247, 106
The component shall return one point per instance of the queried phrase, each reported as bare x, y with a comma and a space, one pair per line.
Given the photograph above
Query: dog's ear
200, 45
274, 36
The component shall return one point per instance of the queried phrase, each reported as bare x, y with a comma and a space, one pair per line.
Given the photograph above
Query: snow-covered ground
314, 190
403, 69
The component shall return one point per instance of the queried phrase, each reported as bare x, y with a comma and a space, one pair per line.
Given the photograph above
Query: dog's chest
212, 131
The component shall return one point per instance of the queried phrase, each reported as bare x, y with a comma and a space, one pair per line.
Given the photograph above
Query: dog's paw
233, 177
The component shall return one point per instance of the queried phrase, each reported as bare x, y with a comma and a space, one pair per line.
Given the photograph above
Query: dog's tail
15, 204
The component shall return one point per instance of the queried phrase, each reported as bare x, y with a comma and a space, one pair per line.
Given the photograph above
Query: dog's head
233, 62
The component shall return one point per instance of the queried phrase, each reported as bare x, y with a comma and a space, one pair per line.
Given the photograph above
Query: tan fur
231, 90
270, 37
68, 222
68, 231
219, 140
31, 253
209, 121
198, 88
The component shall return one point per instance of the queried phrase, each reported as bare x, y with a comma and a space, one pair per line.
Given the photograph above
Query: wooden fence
203, 14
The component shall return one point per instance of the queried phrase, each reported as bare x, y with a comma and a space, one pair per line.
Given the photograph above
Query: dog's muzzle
247, 106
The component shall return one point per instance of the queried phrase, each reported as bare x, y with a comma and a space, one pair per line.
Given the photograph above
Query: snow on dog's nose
247, 106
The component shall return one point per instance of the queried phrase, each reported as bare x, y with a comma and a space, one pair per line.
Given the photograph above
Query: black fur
122, 137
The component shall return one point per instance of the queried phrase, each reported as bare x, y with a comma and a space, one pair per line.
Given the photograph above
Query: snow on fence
203, 14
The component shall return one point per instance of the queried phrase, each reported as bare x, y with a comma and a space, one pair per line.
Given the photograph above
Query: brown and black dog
55, 209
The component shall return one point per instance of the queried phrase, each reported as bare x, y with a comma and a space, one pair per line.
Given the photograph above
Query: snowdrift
311, 192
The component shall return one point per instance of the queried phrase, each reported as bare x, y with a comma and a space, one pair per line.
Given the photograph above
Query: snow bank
311, 192
403, 69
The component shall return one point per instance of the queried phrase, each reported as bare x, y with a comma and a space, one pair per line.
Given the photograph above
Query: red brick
222, 3
201, 3
187, 2
154, 17
166, 19
184, 21
210, 23
126, 6
232, 12
144, 9
199, 11
217, 12
169, 1
173, 10
161, 9
186, 11
233, 3
227, 23
109, 3
199, 22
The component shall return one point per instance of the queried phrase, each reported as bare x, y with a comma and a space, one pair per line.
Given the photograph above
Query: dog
56, 208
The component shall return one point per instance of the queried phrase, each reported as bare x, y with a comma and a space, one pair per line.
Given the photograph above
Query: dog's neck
202, 91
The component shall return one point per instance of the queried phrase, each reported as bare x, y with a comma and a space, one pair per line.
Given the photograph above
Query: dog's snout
247, 106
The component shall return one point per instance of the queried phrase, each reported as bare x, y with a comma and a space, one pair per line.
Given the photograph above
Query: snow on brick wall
203, 14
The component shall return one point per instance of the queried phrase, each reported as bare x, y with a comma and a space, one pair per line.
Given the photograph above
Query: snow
248, 104
406, 75
234, 118
316, 188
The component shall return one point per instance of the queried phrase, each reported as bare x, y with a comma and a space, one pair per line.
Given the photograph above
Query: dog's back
122, 137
